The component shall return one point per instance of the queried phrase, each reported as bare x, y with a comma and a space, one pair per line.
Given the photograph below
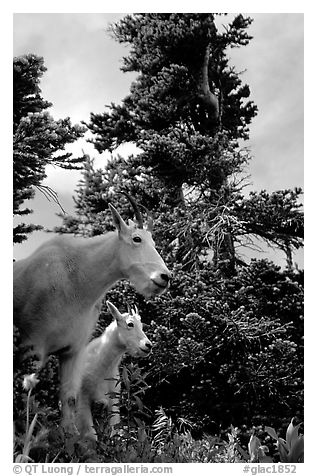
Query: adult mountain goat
101, 360
58, 292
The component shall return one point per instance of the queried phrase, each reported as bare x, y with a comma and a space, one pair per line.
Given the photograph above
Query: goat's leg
70, 377
114, 410
84, 421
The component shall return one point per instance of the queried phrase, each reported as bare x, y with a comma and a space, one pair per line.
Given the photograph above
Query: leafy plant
290, 450
29, 439
257, 451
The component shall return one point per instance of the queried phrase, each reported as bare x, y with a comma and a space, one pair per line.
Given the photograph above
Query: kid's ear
117, 220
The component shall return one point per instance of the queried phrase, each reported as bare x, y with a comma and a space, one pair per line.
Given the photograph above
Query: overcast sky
83, 74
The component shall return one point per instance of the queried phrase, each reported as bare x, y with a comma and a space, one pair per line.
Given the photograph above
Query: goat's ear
116, 314
118, 221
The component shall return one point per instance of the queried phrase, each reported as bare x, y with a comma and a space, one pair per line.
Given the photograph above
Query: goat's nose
148, 345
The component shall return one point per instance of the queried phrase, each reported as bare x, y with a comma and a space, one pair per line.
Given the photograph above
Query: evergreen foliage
38, 138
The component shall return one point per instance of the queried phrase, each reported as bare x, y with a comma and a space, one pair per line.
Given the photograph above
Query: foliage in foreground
161, 441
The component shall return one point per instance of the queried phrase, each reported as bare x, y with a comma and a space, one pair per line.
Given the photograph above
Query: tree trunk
204, 93
224, 253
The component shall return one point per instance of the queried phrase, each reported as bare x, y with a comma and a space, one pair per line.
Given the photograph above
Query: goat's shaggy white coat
58, 293
102, 357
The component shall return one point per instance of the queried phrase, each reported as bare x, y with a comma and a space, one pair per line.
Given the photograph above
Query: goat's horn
136, 209
149, 219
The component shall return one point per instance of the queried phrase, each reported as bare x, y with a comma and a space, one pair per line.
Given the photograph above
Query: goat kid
58, 293
102, 357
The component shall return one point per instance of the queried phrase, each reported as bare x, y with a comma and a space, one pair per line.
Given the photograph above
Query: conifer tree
188, 111
38, 139
223, 319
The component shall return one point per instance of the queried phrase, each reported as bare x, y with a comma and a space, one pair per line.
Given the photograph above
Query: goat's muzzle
147, 348
161, 281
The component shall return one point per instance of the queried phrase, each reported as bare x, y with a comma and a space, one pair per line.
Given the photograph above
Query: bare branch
49, 193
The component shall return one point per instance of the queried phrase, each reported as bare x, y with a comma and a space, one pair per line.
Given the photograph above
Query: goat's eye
130, 324
137, 239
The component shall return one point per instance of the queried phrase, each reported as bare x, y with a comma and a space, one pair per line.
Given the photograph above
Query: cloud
84, 74
83, 62
275, 72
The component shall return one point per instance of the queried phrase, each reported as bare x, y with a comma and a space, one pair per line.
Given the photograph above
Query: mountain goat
58, 292
101, 360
